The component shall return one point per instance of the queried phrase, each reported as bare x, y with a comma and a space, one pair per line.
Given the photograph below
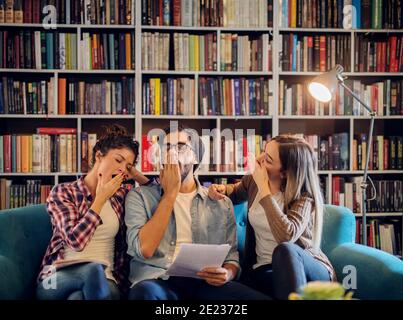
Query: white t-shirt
183, 219
101, 247
265, 242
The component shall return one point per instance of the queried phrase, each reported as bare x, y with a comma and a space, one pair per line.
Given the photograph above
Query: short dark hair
115, 137
197, 146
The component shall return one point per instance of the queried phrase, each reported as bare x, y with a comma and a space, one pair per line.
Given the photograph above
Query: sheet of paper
193, 257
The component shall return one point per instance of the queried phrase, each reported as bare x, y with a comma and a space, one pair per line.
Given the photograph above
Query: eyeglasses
180, 147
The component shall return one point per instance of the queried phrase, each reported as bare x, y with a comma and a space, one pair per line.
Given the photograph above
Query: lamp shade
323, 86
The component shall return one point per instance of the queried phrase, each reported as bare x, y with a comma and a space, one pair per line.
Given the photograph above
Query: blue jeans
85, 281
180, 288
291, 268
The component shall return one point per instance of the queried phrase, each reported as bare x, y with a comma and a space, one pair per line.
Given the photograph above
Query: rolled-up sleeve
135, 218
76, 229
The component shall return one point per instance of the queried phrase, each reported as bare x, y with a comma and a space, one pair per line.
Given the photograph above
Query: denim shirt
212, 222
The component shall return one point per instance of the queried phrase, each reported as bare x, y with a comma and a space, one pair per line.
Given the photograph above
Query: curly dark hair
115, 136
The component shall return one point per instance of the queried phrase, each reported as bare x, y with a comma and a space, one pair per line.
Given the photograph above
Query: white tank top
265, 242
101, 247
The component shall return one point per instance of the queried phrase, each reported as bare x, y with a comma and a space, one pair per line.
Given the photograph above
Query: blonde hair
300, 166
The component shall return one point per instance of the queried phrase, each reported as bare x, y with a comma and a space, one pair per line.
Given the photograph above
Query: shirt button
172, 243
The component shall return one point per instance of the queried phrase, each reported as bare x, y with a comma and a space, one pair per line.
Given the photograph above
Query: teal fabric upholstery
379, 275
25, 234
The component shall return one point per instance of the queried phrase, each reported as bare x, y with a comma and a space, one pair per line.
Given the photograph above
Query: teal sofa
25, 233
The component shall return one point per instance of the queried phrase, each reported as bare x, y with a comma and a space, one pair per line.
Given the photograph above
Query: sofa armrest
379, 275
10, 285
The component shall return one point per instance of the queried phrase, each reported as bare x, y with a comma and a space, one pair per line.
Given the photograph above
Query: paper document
193, 257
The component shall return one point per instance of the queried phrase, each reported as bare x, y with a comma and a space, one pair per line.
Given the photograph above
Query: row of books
117, 97
107, 51
386, 152
155, 51
245, 53
356, 14
96, 97
378, 53
15, 195
68, 11
38, 49
324, 183
383, 234
387, 196
190, 52
171, 96
57, 152
188, 13
195, 52
55, 50
385, 97
332, 151
234, 152
314, 53
88, 141
26, 97
236, 96
49, 150
74, 96
221, 152
199, 52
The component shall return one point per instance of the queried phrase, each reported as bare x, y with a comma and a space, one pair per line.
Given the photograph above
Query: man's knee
146, 290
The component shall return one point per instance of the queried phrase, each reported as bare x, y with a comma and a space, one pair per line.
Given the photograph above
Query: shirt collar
83, 187
201, 190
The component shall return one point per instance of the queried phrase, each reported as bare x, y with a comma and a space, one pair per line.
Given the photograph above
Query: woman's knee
95, 269
285, 251
95, 282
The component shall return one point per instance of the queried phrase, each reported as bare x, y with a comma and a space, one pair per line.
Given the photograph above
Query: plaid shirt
74, 224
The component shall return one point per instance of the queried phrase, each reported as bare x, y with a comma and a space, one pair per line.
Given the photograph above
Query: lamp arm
364, 184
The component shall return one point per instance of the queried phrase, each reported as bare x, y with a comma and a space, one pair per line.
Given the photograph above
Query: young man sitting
160, 218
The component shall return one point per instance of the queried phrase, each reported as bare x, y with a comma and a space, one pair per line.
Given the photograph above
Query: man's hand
170, 176
218, 276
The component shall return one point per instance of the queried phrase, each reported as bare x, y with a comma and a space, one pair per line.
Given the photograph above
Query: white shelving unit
275, 123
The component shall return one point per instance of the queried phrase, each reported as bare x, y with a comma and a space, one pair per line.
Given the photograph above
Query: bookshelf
274, 123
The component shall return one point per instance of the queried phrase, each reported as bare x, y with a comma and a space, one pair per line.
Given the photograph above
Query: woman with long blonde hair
285, 218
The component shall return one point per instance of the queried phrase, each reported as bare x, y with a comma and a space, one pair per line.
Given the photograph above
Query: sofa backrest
24, 236
338, 227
